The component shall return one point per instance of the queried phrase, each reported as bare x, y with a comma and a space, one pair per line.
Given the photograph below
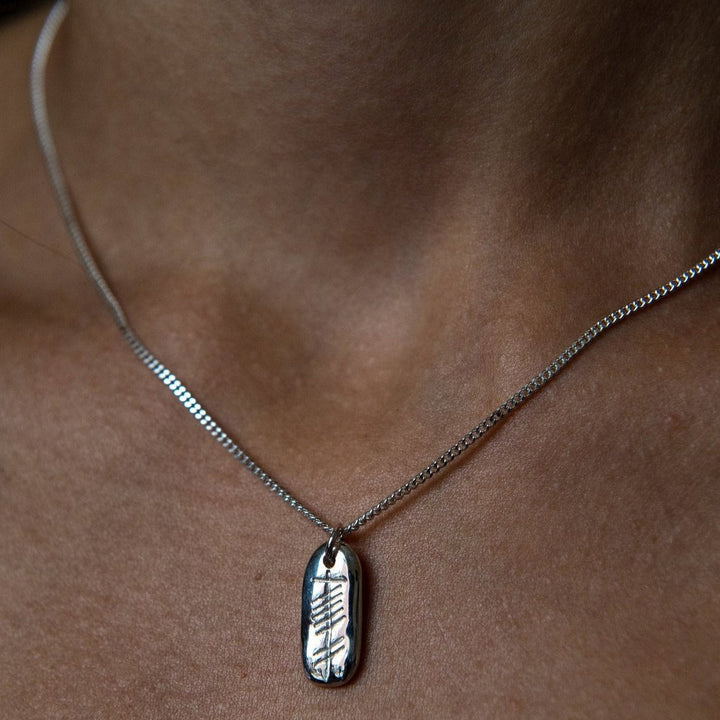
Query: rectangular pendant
332, 616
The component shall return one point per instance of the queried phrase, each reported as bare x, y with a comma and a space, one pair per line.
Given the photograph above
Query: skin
353, 230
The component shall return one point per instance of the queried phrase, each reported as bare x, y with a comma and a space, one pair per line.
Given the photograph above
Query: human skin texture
353, 229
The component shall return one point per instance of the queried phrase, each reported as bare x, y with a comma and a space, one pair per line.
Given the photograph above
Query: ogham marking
326, 612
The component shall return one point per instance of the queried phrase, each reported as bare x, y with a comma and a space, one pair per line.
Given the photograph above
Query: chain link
183, 395
532, 386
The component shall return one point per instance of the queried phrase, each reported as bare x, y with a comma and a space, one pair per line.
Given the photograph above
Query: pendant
332, 613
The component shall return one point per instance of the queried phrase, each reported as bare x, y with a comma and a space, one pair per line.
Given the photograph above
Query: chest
566, 563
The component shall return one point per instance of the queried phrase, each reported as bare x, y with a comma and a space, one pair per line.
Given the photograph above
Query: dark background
7, 7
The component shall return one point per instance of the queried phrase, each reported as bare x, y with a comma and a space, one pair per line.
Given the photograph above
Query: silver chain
188, 400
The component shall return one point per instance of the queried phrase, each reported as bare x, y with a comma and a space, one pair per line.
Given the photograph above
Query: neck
350, 155
404, 123
364, 205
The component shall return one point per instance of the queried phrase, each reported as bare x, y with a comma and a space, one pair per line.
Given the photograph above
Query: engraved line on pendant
327, 611
337, 645
323, 599
329, 614
326, 602
329, 578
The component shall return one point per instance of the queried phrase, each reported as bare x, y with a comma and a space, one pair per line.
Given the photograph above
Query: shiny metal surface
331, 624
189, 401
332, 545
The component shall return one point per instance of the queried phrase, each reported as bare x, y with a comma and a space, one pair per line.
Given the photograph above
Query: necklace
331, 624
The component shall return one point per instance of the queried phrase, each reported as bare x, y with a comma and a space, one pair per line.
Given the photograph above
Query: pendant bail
332, 546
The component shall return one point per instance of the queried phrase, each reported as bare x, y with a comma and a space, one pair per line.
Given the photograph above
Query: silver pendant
332, 613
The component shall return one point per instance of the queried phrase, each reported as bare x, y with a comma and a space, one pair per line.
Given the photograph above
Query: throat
360, 190
366, 130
